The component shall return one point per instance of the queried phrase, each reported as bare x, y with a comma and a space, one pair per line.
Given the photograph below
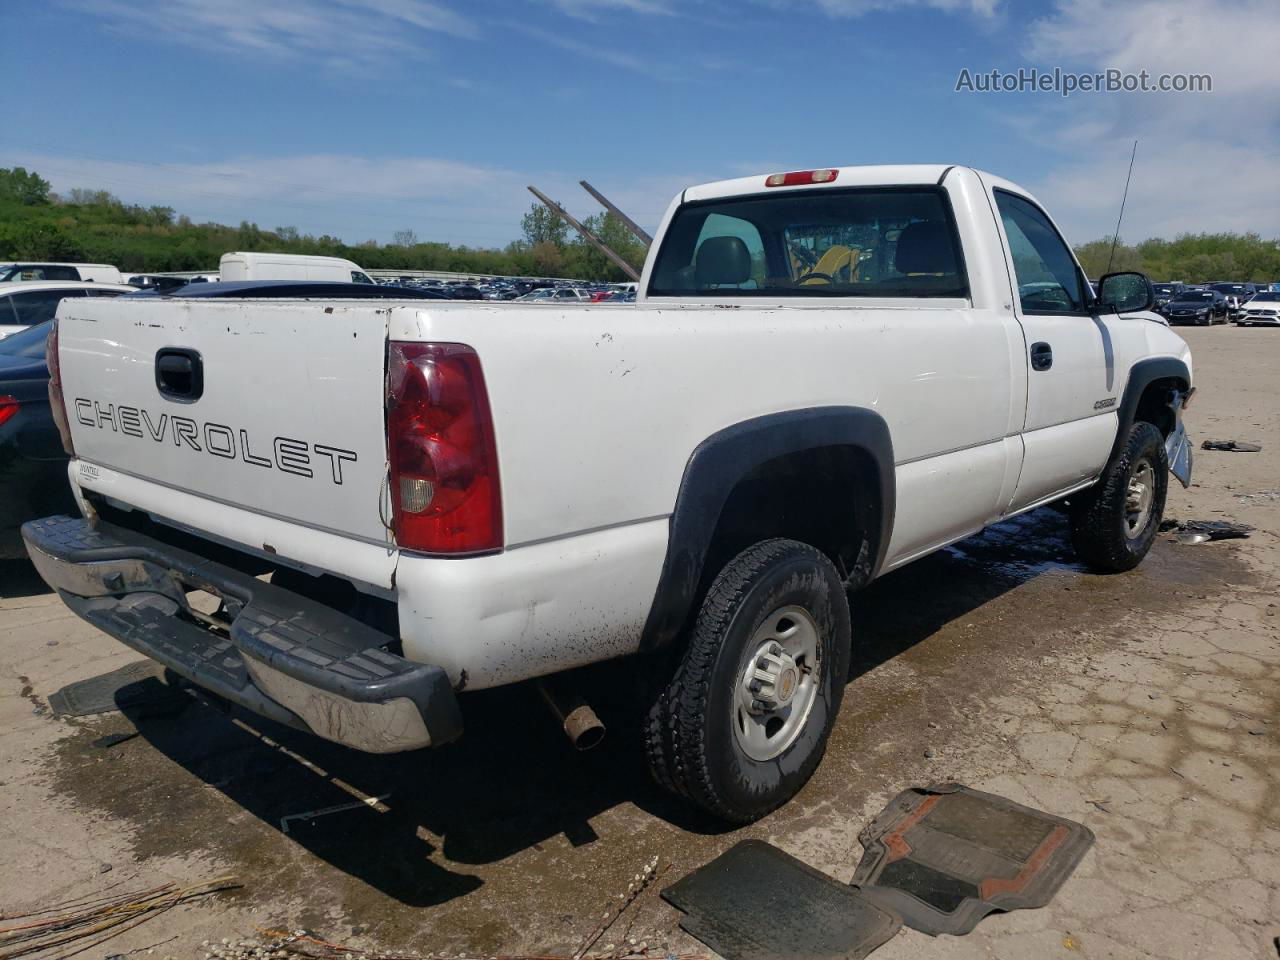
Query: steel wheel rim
1139, 498
777, 684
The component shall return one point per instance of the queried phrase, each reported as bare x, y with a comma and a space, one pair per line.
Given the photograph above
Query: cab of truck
289, 266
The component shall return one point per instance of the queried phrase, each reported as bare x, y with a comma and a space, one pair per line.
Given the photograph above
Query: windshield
1195, 295
1266, 298
1165, 288
874, 242
1229, 287
28, 342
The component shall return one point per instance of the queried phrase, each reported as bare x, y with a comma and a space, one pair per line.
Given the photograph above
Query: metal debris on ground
71, 927
943, 857
285, 945
755, 902
374, 803
1201, 531
1233, 446
1262, 496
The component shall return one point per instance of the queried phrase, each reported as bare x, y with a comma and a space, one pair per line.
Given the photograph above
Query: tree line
95, 226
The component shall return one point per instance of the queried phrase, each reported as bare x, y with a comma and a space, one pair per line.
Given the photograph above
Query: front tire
744, 722
1114, 524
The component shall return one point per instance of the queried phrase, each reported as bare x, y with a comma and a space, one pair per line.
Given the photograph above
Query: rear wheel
744, 721
1114, 524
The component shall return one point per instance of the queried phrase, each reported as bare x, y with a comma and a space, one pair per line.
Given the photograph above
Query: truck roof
871, 175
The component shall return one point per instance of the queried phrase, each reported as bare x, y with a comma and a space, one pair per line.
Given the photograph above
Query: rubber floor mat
945, 856
134, 686
755, 902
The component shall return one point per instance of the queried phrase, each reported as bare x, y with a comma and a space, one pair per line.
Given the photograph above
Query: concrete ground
1143, 705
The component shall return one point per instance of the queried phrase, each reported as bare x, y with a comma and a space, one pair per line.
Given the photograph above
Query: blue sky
362, 117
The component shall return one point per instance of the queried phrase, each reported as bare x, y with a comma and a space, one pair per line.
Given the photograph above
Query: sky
358, 118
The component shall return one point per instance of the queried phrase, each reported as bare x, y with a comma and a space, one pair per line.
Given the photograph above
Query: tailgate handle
179, 374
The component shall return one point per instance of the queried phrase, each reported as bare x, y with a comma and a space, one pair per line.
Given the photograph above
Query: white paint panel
303, 374
945, 498
531, 611
365, 562
1060, 457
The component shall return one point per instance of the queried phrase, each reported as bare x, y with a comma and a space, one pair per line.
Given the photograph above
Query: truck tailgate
286, 419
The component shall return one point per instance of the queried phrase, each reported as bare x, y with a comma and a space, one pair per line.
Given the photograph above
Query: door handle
1041, 356
179, 374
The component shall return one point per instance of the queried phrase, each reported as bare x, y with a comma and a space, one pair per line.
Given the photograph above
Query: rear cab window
856, 242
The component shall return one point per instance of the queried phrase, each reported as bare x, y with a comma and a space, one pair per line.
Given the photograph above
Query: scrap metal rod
626, 221
590, 237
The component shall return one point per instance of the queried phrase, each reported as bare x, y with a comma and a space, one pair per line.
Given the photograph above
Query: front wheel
744, 722
1114, 524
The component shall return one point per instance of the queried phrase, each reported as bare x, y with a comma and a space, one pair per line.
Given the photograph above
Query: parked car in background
1166, 292
1236, 294
33, 465
1195, 306
1262, 310
35, 271
24, 303
289, 266
464, 291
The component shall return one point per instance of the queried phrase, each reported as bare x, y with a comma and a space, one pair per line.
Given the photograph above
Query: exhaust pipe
575, 716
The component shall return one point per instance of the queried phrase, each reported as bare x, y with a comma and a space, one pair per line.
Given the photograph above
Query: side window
7, 314
358, 277
1048, 280
61, 273
103, 293
40, 305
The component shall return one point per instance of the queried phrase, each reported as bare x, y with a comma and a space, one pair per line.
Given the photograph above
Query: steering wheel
815, 273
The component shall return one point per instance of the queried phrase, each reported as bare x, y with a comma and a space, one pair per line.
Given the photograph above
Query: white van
87, 272
289, 266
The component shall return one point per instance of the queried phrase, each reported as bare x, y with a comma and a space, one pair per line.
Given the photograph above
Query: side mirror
1125, 293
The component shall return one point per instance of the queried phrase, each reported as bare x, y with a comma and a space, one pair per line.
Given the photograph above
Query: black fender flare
1142, 375
727, 456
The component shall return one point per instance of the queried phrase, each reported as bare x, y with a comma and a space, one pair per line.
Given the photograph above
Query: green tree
27, 188
541, 226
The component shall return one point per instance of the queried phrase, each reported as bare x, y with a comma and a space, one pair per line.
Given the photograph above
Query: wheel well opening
1154, 404
828, 497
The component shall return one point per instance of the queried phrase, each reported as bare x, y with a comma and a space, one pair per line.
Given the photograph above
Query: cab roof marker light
800, 177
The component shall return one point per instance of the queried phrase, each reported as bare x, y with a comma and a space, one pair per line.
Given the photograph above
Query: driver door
1072, 392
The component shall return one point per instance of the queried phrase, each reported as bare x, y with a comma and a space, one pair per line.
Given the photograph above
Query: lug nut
776, 649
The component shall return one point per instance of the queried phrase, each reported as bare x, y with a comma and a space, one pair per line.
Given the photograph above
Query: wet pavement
1143, 705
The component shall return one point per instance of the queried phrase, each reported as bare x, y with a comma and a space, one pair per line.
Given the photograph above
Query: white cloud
344, 32
589, 9
1206, 161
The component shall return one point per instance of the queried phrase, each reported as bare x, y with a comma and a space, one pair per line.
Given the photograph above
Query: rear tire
744, 721
1114, 524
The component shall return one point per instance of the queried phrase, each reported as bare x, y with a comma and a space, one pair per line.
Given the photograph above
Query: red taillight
798, 177
56, 404
445, 496
8, 408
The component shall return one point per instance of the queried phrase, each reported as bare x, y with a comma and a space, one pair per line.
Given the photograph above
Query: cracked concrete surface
1143, 705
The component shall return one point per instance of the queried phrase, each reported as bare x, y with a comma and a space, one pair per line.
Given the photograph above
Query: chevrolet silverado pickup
827, 374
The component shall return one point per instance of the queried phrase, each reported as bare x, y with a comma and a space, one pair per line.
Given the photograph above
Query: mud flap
1178, 448
945, 856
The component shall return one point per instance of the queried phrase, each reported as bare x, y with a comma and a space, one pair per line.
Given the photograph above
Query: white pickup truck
827, 374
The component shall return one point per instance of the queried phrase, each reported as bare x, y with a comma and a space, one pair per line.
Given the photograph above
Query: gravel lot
1144, 705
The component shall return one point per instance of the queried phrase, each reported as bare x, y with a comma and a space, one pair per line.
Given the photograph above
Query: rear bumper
282, 656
